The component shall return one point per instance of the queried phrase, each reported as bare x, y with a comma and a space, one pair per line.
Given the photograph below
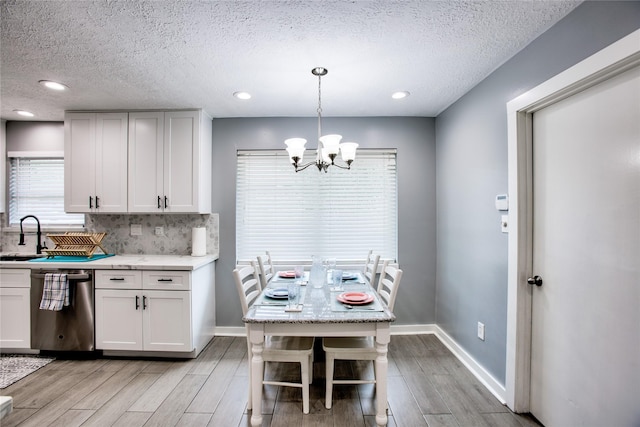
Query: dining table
319, 314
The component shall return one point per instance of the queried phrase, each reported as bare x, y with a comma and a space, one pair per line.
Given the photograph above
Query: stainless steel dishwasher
72, 328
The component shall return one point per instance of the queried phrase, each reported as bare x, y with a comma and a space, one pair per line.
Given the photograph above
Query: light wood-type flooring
428, 386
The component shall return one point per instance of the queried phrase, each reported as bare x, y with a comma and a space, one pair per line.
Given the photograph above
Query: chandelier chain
319, 106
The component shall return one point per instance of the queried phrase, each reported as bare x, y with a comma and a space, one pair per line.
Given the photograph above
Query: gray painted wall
414, 140
471, 162
35, 136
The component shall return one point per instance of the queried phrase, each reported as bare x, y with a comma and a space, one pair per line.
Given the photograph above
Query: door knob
535, 280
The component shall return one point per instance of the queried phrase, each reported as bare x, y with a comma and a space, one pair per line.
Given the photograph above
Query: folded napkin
55, 293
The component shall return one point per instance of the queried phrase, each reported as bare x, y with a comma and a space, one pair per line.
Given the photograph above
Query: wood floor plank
152, 398
211, 393
317, 420
194, 420
427, 397
347, 413
211, 355
405, 345
501, 419
172, 408
461, 406
232, 405
57, 408
72, 418
116, 381
405, 409
51, 390
441, 420
112, 410
17, 416
286, 414
132, 419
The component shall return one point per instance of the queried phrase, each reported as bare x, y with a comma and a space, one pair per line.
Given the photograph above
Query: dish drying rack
75, 244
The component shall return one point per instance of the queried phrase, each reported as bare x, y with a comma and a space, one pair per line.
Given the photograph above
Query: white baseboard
497, 389
231, 331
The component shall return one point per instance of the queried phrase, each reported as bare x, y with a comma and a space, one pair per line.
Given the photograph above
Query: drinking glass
293, 290
299, 269
336, 278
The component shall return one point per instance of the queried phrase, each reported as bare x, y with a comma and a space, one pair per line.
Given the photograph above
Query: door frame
608, 62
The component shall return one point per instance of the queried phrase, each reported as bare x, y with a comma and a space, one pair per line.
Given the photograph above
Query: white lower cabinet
145, 310
143, 320
15, 319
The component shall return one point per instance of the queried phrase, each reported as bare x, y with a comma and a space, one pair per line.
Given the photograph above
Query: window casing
341, 214
36, 187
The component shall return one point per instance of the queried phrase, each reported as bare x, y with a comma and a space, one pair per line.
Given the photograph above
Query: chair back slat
247, 285
265, 268
371, 267
390, 277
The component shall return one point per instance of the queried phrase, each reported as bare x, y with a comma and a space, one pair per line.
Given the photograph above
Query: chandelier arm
303, 167
340, 166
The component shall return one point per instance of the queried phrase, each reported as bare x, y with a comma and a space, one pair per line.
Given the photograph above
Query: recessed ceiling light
242, 95
400, 95
53, 85
24, 113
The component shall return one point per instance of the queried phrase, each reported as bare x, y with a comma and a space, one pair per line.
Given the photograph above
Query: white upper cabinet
169, 162
95, 162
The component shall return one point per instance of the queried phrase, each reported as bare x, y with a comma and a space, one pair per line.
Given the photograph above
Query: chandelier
328, 146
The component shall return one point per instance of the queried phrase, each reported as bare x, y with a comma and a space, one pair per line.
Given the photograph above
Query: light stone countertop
123, 262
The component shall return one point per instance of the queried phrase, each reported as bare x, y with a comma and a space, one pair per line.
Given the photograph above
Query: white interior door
585, 358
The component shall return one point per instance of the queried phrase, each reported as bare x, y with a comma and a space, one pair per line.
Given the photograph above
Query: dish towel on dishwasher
55, 293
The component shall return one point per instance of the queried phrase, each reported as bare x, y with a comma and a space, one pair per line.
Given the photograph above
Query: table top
319, 305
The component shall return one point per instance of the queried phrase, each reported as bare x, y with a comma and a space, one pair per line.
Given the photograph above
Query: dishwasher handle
70, 276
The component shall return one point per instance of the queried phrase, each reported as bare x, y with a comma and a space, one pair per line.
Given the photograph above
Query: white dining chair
359, 348
265, 268
371, 267
276, 349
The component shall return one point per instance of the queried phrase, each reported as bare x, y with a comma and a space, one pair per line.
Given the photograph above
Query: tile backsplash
175, 241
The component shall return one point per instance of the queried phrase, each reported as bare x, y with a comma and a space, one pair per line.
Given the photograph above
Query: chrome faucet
39, 246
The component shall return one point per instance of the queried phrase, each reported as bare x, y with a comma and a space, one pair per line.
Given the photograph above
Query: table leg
382, 341
256, 337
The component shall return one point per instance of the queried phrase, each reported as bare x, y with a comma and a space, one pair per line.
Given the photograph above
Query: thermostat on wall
502, 202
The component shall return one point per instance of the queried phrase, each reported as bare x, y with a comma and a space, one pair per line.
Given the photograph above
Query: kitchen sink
19, 257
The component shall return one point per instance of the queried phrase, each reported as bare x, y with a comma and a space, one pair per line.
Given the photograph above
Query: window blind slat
36, 187
341, 214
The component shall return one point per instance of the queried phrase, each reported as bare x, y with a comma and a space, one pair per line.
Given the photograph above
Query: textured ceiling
151, 54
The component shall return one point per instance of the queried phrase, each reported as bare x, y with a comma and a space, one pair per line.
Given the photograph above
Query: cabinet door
146, 192
181, 160
79, 162
118, 319
15, 322
111, 162
167, 321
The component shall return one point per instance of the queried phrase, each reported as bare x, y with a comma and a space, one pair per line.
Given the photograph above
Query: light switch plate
159, 231
136, 229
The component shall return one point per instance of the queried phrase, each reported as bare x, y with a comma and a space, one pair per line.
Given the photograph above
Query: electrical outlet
159, 231
481, 330
136, 229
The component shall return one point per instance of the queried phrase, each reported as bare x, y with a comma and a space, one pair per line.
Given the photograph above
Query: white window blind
36, 187
341, 213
